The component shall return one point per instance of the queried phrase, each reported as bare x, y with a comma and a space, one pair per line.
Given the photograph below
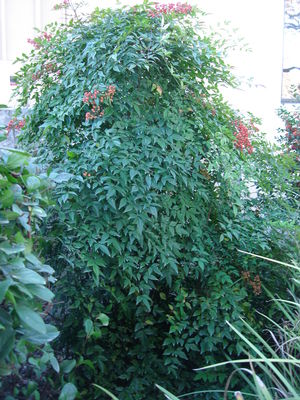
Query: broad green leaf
32, 259
4, 285
69, 392
88, 326
39, 212
41, 291
9, 215
104, 319
31, 318
16, 160
39, 338
6, 198
67, 366
33, 183
104, 249
9, 248
54, 363
28, 276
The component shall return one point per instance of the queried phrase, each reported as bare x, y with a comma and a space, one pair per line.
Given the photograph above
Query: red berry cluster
37, 42
15, 124
96, 99
36, 76
241, 134
178, 8
255, 283
48, 68
64, 4
293, 133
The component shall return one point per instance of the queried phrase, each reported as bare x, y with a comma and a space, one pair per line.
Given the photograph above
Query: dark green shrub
128, 102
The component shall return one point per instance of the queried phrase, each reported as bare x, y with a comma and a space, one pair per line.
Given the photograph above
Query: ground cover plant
143, 239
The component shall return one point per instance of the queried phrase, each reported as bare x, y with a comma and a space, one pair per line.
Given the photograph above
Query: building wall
18, 18
260, 23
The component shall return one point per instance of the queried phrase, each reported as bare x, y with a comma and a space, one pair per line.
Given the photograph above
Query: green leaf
39, 338
67, 366
4, 285
132, 173
33, 183
39, 212
18, 151
54, 364
9, 215
69, 392
9, 249
30, 318
211, 328
140, 226
16, 160
88, 326
60, 177
71, 155
104, 319
104, 249
41, 291
28, 276
32, 259
123, 203
7, 340
7, 198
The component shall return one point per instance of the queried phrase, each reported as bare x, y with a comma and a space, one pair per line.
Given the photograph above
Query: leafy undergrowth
270, 369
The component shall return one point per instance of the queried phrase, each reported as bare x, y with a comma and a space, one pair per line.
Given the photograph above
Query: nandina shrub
145, 233
290, 146
290, 134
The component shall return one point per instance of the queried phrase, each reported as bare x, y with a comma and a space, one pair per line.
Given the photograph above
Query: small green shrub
128, 102
271, 364
24, 277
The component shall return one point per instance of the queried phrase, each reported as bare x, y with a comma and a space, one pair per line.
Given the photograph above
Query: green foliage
23, 276
290, 134
273, 362
155, 200
25, 354
272, 365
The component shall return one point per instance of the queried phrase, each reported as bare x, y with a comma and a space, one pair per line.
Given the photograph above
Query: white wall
17, 21
260, 22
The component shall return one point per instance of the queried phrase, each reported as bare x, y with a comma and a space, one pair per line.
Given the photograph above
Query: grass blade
113, 397
269, 259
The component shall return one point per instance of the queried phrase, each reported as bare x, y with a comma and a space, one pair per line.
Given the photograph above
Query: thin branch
289, 25
290, 69
293, 15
